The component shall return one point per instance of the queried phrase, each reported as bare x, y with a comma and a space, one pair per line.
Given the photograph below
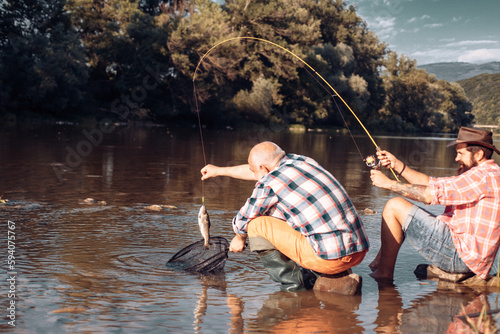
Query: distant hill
459, 71
484, 92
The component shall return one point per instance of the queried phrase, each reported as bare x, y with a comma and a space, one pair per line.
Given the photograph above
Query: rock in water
345, 283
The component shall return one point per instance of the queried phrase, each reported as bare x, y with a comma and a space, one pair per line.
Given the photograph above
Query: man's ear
265, 168
479, 155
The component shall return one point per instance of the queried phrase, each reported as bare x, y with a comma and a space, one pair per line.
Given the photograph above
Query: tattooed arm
415, 192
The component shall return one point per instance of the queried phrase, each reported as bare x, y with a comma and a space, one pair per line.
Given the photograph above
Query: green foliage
417, 101
140, 59
42, 63
484, 92
256, 105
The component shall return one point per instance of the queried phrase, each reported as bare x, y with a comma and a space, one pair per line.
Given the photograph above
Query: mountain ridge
455, 71
483, 91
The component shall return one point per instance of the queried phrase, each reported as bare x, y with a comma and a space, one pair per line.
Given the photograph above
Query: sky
433, 31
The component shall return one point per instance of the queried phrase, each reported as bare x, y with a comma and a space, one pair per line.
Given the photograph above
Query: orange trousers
295, 246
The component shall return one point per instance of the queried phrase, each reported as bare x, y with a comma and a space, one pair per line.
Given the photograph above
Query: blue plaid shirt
306, 196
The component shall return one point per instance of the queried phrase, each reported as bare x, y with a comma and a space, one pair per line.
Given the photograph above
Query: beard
463, 167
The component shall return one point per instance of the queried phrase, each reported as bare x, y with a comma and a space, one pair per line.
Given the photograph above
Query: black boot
309, 276
283, 270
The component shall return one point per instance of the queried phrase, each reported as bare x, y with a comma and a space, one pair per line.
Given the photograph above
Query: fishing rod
370, 160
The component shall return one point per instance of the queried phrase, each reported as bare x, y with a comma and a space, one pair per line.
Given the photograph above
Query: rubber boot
281, 269
309, 276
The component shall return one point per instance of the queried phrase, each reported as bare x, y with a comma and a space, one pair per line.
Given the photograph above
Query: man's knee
397, 207
258, 230
259, 244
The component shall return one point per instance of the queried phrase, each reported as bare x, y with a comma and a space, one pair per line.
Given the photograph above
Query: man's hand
209, 171
238, 243
388, 160
380, 180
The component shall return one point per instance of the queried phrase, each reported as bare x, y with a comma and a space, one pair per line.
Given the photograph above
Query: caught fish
204, 223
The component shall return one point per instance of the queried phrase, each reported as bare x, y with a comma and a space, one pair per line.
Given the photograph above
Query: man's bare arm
417, 192
241, 172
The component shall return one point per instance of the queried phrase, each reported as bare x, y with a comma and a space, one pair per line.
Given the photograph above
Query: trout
204, 223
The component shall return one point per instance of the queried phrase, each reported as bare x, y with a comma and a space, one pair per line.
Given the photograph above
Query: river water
100, 267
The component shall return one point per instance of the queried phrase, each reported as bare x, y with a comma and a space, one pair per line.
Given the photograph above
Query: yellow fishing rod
369, 160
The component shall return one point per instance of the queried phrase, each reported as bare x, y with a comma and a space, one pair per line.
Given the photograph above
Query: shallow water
98, 268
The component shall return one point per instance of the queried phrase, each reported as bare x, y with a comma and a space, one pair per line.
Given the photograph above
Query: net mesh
195, 258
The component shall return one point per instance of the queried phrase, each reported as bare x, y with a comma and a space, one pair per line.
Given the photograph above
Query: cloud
435, 55
383, 26
480, 56
467, 43
476, 56
382, 23
433, 25
423, 17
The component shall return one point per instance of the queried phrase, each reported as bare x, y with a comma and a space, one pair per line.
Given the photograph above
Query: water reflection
298, 312
101, 268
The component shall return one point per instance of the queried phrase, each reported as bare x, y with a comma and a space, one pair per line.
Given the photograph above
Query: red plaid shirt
472, 213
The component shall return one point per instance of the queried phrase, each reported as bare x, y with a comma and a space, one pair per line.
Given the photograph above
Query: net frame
195, 258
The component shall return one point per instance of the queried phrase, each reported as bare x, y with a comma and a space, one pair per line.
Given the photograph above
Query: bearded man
466, 237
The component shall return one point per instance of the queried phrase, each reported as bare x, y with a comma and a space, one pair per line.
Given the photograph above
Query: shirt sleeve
262, 199
457, 190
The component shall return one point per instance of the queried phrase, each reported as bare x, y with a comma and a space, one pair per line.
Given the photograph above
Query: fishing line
340, 112
335, 94
202, 143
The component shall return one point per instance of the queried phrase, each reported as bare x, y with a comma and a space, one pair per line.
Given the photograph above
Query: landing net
195, 258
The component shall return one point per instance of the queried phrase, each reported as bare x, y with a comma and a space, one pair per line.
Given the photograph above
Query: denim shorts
432, 239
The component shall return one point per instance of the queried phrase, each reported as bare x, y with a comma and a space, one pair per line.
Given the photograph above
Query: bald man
298, 215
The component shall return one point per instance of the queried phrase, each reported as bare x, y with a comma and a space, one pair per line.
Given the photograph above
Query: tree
289, 25
353, 55
316, 31
417, 101
43, 67
129, 61
192, 37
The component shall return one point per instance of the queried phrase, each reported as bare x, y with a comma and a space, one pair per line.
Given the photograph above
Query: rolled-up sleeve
456, 190
261, 200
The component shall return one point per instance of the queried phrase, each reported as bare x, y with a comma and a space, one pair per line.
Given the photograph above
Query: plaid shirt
472, 213
306, 196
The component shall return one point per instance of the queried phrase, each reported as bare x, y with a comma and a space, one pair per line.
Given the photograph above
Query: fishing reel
372, 162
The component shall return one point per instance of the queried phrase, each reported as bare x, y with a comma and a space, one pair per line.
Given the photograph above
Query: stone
489, 282
369, 211
345, 283
90, 200
70, 309
427, 271
457, 281
154, 207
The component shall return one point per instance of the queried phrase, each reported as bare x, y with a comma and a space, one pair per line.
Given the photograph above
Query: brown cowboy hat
475, 136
